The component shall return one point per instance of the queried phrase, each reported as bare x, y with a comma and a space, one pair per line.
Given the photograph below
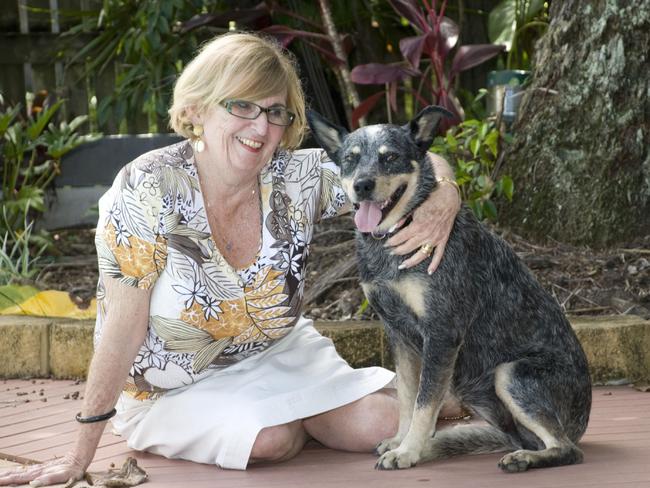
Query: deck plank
616, 446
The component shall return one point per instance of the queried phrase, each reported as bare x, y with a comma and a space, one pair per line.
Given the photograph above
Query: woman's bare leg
361, 425
279, 443
358, 426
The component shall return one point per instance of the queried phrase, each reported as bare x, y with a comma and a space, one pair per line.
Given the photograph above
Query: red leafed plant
436, 37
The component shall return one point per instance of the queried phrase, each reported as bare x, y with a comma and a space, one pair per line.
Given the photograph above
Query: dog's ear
423, 127
328, 136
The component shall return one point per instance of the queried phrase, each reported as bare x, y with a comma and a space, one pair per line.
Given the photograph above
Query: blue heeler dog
481, 327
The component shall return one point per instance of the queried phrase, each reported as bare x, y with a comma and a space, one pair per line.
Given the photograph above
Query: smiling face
239, 147
241, 66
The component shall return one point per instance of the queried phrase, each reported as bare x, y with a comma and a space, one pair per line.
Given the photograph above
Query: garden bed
583, 280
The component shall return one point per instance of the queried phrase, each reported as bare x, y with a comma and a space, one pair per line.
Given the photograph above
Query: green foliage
472, 148
144, 39
31, 147
18, 253
517, 24
427, 60
362, 308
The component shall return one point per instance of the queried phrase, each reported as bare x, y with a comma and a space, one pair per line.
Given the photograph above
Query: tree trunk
349, 91
580, 157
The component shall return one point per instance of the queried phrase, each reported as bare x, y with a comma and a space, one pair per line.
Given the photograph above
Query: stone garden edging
617, 347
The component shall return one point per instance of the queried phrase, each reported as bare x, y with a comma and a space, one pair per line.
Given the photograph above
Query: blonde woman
202, 247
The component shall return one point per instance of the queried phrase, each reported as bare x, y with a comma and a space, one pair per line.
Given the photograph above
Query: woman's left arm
432, 221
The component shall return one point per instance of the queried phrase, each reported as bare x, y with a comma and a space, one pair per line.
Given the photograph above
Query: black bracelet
95, 418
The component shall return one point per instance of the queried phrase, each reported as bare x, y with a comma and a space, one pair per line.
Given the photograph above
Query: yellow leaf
276, 333
270, 288
267, 302
261, 276
269, 313
52, 303
281, 322
251, 334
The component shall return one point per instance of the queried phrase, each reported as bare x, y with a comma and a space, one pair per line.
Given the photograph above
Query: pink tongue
368, 216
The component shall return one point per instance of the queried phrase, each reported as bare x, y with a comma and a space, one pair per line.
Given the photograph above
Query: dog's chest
391, 292
375, 261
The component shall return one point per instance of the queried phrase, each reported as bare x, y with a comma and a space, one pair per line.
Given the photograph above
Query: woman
201, 248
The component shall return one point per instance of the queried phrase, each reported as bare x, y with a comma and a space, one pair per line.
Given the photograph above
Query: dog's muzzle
363, 188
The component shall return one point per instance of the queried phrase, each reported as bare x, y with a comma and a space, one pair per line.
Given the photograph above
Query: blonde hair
238, 65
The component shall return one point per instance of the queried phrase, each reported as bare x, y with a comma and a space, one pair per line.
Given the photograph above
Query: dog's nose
364, 188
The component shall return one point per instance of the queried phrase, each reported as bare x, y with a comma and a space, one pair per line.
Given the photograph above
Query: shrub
31, 148
473, 149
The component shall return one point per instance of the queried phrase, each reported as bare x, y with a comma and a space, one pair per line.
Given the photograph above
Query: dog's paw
516, 462
397, 459
387, 445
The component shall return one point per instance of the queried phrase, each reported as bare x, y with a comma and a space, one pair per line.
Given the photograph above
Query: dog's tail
468, 439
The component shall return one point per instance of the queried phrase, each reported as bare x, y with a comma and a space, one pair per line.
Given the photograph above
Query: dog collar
393, 230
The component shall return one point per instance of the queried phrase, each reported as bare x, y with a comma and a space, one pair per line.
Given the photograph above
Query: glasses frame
227, 104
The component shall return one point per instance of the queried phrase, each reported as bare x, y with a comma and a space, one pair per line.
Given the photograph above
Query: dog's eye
390, 157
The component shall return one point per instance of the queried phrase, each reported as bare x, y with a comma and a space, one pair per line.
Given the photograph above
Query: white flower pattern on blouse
153, 232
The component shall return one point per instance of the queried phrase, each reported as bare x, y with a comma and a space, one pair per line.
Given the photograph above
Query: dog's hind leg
467, 439
407, 365
530, 403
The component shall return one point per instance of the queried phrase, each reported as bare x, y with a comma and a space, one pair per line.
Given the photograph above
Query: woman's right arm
123, 333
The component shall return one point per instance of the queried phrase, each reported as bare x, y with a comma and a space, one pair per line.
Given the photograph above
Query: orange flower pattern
204, 314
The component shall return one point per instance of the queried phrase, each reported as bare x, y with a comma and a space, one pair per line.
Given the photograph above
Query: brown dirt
584, 281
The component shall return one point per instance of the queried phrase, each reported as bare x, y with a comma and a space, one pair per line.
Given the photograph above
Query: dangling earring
197, 142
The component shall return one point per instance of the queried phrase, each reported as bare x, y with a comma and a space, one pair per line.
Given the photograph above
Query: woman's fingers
437, 257
428, 233
409, 245
48, 473
60, 476
415, 259
17, 476
400, 237
416, 235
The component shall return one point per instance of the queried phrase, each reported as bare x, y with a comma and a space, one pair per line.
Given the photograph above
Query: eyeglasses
276, 115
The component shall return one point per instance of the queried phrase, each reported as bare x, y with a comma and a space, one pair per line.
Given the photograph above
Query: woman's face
241, 145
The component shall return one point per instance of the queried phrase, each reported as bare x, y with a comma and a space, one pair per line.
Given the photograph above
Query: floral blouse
153, 232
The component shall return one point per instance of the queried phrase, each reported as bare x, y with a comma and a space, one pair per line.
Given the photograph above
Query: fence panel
12, 83
104, 83
75, 91
29, 43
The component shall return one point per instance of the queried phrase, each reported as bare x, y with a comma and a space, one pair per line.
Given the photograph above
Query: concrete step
617, 347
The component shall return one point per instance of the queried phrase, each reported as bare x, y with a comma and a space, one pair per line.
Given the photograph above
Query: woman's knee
279, 442
358, 426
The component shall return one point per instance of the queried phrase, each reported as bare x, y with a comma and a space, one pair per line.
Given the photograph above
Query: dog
480, 327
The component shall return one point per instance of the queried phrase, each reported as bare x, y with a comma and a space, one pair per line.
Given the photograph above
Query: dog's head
384, 168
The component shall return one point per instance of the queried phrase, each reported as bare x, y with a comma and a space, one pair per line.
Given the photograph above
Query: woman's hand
432, 224
59, 470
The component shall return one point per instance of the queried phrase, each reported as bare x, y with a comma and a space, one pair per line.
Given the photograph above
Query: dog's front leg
407, 365
436, 372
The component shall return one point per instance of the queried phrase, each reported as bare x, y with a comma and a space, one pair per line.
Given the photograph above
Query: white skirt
217, 419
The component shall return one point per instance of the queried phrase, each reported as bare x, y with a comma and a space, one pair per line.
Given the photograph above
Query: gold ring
426, 249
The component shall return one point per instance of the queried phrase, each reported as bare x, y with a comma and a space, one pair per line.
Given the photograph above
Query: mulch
584, 281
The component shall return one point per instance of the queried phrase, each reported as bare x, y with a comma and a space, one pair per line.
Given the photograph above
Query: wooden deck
36, 423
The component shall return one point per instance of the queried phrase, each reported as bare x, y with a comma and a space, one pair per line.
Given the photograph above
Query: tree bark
580, 157
350, 95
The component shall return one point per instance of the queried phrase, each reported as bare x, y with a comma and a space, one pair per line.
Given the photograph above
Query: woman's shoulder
173, 162
147, 175
312, 153
178, 154
286, 161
